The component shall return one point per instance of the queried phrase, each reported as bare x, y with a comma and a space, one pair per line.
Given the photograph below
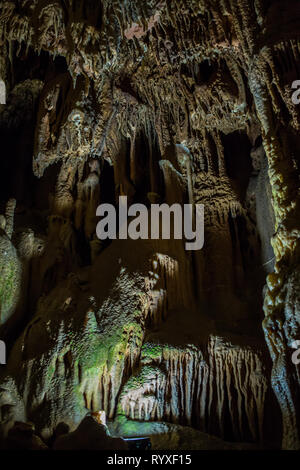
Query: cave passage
136, 341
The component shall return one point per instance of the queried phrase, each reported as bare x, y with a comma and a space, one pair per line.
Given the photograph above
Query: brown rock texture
178, 101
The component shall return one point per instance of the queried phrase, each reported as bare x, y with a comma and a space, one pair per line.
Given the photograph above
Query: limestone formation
172, 101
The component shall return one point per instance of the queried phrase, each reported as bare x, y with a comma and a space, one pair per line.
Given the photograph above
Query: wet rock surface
162, 102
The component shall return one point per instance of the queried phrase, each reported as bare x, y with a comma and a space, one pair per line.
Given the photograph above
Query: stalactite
284, 243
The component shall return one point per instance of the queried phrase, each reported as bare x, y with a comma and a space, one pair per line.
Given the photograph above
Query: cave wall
180, 101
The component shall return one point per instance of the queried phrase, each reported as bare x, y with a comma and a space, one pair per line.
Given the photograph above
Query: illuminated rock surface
161, 101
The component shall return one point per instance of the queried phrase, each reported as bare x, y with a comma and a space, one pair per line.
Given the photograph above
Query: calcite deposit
177, 101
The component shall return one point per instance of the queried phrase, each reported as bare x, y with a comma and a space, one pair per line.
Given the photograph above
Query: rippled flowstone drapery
160, 101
